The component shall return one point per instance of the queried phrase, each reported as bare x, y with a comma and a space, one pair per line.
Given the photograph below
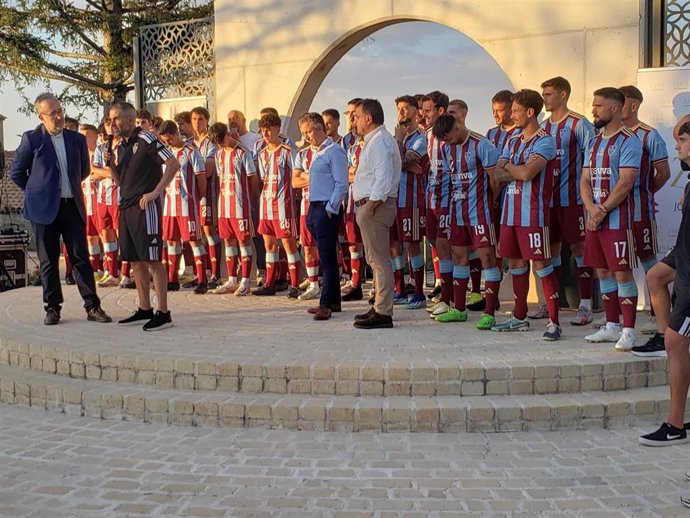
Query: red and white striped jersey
181, 197
277, 195
108, 190
303, 162
89, 189
234, 167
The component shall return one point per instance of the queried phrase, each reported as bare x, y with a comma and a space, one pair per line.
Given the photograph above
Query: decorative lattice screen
677, 41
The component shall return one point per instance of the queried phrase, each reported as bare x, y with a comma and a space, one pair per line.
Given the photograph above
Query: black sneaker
173, 286
191, 284
293, 292
409, 289
653, 348
159, 321
434, 293
213, 283
98, 315
201, 288
52, 315
666, 435
478, 306
264, 291
69, 279
139, 316
282, 286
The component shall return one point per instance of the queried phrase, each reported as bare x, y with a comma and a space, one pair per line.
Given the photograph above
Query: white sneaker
304, 285
438, 309
313, 292
649, 327
626, 340
346, 285
605, 334
243, 290
109, 281
226, 287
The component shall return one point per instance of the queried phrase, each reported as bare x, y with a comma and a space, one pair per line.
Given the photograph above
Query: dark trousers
325, 232
258, 238
71, 227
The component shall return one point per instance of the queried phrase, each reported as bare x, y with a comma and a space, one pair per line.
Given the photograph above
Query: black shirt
139, 166
682, 248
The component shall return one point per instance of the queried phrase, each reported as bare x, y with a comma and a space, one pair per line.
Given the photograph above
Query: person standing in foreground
328, 185
49, 166
677, 334
375, 191
138, 172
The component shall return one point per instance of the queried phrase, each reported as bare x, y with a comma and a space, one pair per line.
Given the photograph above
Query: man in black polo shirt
138, 170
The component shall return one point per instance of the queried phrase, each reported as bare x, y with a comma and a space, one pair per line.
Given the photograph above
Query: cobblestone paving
64, 466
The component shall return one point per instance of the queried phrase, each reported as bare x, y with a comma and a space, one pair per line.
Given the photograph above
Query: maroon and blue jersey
571, 133
653, 150
412, 190
438, 181
499, 136
468, 163
348, 141
605, 156
526, 203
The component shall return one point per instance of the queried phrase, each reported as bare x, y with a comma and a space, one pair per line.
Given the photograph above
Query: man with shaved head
237, 125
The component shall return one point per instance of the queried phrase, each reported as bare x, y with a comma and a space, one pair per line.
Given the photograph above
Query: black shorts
670, 258
679, 320
141, 232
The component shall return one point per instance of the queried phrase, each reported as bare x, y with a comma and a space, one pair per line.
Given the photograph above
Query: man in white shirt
375, 191
237, 124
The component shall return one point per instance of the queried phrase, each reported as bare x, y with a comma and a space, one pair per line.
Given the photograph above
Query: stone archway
277, 52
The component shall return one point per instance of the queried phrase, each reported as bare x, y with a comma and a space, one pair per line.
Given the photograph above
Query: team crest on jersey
468, 155
135, 147
281, 161
612, 149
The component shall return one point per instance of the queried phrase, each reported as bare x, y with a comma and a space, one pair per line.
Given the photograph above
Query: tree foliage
84, 43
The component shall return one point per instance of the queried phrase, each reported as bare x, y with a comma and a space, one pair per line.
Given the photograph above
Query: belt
360, 202
317, 203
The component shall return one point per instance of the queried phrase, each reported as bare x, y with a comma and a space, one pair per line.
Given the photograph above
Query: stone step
108, 400
567, 375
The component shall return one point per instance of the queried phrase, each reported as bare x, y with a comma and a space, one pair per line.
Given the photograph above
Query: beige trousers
376, 238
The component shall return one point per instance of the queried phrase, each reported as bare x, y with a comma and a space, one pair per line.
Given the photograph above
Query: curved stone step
109, 400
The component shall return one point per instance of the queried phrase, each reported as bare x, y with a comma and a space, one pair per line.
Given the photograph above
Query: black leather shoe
365, 316
335, 308
352, 294
173, 286
282, 285
376, 321
191, 284
264, 291
201, 288
69, 279
52, 316
98, 315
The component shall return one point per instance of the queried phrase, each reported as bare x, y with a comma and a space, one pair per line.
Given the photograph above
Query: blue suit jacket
36, 171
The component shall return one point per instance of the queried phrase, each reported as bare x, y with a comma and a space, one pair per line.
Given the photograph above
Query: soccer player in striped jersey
353, 147
654, 173
612, 161
438, 201
411, 217
277, 210
208, 205
144, 120
89, 189
524, 166
458, 109
501, 107
300, 180
184, 126
572, 132
471, 160
181, 208
238, 183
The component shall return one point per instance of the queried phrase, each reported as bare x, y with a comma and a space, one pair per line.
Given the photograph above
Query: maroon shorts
92, 225
280, 229
529, 243
567, 224
409, 226
236, 228
477, 236
180, 228
438, 223
108, 217
305, 237
644, 237
610, 249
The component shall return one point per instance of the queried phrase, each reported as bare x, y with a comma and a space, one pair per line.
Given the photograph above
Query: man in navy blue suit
49, 166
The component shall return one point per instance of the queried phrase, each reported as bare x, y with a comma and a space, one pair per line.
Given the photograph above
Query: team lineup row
515, 194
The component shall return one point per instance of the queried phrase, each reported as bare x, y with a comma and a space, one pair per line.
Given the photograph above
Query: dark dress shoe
282, 285
173, 286
264, 291
376, 321
352, 294
52, 316
193, 283
98, 315
323, 313
365, 316
201, 288
69, 279
335, 308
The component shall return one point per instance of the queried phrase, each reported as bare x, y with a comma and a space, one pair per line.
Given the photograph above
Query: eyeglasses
54, 114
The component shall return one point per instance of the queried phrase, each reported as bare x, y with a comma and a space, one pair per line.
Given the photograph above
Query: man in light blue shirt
328, 186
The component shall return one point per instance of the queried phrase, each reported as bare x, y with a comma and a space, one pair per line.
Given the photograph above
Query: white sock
313, 284
232, 280
613, 325
586, 303
629, 330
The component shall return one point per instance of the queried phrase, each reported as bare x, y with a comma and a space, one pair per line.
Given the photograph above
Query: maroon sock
460, 293
418, 276
294, 269
282, 270
550, 285
586, 277
447, 287
611, 306
520, 290
476, 274
628, 306
491, 292
399, 277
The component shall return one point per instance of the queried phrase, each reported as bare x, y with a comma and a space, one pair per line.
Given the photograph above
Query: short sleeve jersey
234, 167
277, 195
139, 166
181, 193
653, 150
412, 190
108, 190
260, 144
438, 182
526, 203
303, 160
499, 136
571, 133
468, 164
605, 157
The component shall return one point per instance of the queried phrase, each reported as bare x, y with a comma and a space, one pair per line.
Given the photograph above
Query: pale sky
407, 58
